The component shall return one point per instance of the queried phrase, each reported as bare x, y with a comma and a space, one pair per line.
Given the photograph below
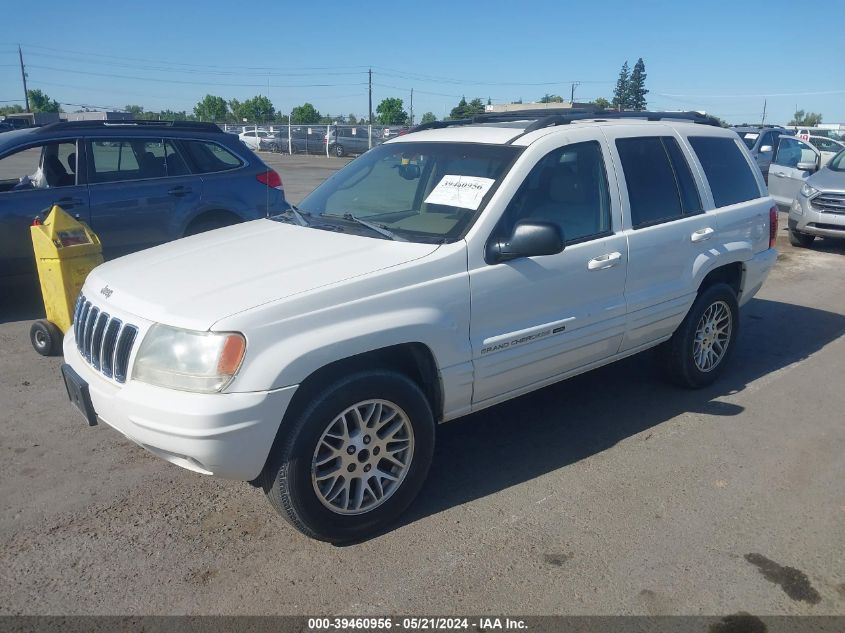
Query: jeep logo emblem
106, 291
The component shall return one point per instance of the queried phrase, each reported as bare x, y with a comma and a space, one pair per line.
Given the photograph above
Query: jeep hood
196, 281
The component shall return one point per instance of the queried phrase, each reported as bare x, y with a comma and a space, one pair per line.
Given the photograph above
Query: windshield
420, 191
749, 138
837, 163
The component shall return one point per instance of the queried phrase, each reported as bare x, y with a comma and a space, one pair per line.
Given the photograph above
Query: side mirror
529, 239
807, 166
766, 149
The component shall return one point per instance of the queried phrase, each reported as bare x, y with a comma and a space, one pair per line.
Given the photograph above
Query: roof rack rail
196, 126
564, 116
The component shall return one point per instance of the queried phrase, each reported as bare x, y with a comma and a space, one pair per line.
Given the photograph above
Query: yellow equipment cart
66, 250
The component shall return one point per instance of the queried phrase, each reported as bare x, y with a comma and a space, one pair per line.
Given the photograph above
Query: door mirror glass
529, 239
766, 149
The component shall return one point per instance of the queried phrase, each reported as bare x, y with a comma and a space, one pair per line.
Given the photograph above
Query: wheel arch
212, 215
414, 360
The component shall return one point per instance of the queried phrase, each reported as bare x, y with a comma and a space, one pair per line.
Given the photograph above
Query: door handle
179, 191
608, 260
702, 235
777, 174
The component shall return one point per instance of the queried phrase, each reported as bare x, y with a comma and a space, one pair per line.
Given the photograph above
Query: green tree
171, 115
806, 119
235, 109
211, 108
281, 118
40, 102
390, 112
351, 119
257, 109
547, 98
428, 117
636, 91
601, 103
135, 110
620, 93
12, 109
459, 111
304, 114
466, 110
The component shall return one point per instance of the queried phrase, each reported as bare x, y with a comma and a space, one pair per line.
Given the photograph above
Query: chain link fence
315, 139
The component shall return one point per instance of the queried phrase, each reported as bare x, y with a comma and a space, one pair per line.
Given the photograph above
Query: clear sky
722, 57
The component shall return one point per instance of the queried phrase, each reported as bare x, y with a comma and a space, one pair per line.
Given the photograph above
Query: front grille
829, 202
103, 341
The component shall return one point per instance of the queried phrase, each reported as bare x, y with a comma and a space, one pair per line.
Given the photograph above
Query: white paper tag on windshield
751, 136
465, 192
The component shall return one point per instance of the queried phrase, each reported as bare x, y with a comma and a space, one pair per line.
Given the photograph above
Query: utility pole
412, 106
575, 84
763, 120
23, 78
371, 95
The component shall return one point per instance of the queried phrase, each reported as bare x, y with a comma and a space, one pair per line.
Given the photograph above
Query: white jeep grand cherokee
440, 273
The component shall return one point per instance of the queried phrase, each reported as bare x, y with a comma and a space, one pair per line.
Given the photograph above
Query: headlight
187, 360
808, 190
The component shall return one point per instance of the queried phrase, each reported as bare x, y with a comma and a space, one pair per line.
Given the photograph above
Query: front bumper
228, 435
804, 218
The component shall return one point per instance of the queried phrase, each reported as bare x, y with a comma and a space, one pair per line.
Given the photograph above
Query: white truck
445, 271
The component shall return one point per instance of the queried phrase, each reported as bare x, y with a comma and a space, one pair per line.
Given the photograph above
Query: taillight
270, 178
773, 226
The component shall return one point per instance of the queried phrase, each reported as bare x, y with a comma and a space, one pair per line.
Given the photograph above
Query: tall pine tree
636, 87
620, 93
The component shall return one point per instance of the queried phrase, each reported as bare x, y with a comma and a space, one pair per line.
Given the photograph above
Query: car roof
66, 129
517, 133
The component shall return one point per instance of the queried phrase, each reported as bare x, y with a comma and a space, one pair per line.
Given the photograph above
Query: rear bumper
755, 272
228, 435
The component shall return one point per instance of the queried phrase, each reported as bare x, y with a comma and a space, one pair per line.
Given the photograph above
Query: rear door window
660, 184
728, 172
115, 160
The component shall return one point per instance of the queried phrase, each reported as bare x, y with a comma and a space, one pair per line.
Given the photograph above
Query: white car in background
252, 138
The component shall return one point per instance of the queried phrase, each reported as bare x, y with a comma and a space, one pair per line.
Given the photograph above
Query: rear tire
46, 338
801, 240
339, 151
354, 458
700, 348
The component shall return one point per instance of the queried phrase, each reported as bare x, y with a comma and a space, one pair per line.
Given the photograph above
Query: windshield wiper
299, 216
375, 227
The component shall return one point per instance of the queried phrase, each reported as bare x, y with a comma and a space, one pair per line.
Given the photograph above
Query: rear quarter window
728, 172
206, 157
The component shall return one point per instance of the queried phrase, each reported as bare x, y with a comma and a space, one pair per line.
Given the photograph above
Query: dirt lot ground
611, 493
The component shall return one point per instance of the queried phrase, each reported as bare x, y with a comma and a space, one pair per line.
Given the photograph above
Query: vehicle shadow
829, 245
560, 425
20, 300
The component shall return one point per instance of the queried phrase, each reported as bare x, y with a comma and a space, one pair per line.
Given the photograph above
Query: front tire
339, 151
354, 458
801, 240
700, 348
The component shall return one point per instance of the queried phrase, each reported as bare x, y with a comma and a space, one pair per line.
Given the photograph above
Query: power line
172, 63
196, 83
